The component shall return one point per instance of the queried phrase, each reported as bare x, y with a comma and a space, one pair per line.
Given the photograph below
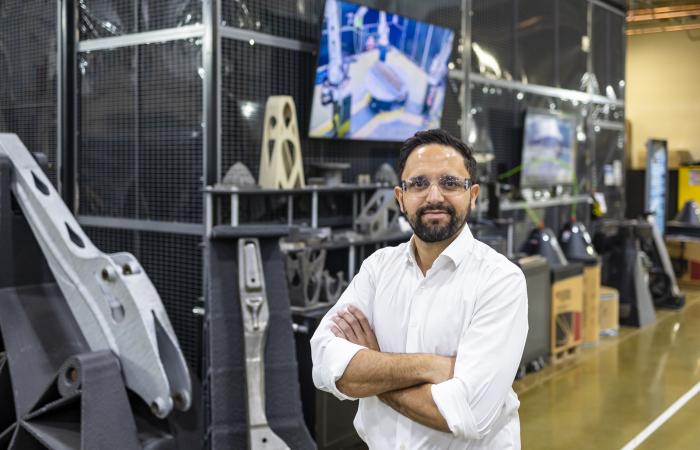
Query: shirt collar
456, 251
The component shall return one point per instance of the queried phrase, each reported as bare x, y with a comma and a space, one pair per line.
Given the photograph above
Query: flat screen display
549, 150
380, 76
657, 182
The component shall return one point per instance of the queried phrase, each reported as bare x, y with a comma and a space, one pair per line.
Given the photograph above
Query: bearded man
429, 334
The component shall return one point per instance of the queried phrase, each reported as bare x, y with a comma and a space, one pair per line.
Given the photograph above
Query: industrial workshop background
140, 104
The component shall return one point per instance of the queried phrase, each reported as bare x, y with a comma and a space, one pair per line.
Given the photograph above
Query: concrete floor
609, 394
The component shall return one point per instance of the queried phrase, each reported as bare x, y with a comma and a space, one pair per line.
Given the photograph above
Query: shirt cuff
337, 356
451, 397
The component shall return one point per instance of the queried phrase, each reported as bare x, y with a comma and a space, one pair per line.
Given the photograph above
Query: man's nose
434, 194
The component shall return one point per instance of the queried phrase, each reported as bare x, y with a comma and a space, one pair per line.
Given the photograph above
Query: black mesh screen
573, 27
492, 31
290, 19
250, 75
497, 113
599, 44
609, 147
616, 47
107, 178
140, 149
173, 262
28, 81
608, 42
535, 38
107, 18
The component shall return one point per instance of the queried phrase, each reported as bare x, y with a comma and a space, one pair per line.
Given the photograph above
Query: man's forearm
417, 404
371, 373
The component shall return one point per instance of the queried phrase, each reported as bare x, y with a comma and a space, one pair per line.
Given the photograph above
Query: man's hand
443, 369
352, 325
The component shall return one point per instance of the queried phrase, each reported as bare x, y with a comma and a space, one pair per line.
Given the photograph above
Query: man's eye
420, 183
450, 183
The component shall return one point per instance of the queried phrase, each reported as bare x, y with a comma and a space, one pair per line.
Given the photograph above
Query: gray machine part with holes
333, 287
380, 214
256, 315
110, 296
304, 270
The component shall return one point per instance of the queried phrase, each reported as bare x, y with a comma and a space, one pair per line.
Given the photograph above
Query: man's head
437, 172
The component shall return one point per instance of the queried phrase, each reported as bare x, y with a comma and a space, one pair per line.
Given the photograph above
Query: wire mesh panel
293, 19
608, 43
140, 148
28, 78
535, 40
250, 74
599, 42
609, 160
493, 38
573, 43
616, 45
108, 18
173, 262
170, 131
107, 179
498, 119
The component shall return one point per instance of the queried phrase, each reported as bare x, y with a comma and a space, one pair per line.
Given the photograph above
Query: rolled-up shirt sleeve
331, 354
488, 356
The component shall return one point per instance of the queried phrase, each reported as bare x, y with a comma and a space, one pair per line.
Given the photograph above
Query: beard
433, 230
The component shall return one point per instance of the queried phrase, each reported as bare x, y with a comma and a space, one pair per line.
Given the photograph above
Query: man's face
435, 215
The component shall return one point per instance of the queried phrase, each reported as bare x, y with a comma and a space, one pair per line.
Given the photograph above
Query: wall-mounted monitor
379, 76
549, 150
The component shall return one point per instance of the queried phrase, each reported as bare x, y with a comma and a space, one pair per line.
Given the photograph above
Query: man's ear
475, 189
398, 195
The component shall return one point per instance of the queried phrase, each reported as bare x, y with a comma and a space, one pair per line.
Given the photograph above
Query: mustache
445, 208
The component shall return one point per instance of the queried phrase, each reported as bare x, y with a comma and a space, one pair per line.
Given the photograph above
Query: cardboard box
567, 310
591, 302
687, 251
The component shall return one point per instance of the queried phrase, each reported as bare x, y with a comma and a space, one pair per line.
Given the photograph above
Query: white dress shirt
472, 303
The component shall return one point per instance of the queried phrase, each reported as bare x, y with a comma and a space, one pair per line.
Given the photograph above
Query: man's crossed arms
401, 380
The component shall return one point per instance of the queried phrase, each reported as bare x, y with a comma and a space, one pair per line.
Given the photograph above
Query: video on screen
380, 76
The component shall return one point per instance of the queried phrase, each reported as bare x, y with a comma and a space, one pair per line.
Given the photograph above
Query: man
429, 334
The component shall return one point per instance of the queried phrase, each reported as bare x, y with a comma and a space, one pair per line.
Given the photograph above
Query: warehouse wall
663, 70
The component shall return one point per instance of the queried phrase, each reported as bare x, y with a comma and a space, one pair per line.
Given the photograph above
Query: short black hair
440, 137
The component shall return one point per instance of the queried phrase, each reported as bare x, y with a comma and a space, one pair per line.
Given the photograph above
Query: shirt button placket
412, 332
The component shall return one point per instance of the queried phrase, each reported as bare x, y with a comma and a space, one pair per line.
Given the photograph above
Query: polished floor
609, 394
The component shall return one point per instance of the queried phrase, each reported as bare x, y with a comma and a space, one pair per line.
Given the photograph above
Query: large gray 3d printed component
110, 296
